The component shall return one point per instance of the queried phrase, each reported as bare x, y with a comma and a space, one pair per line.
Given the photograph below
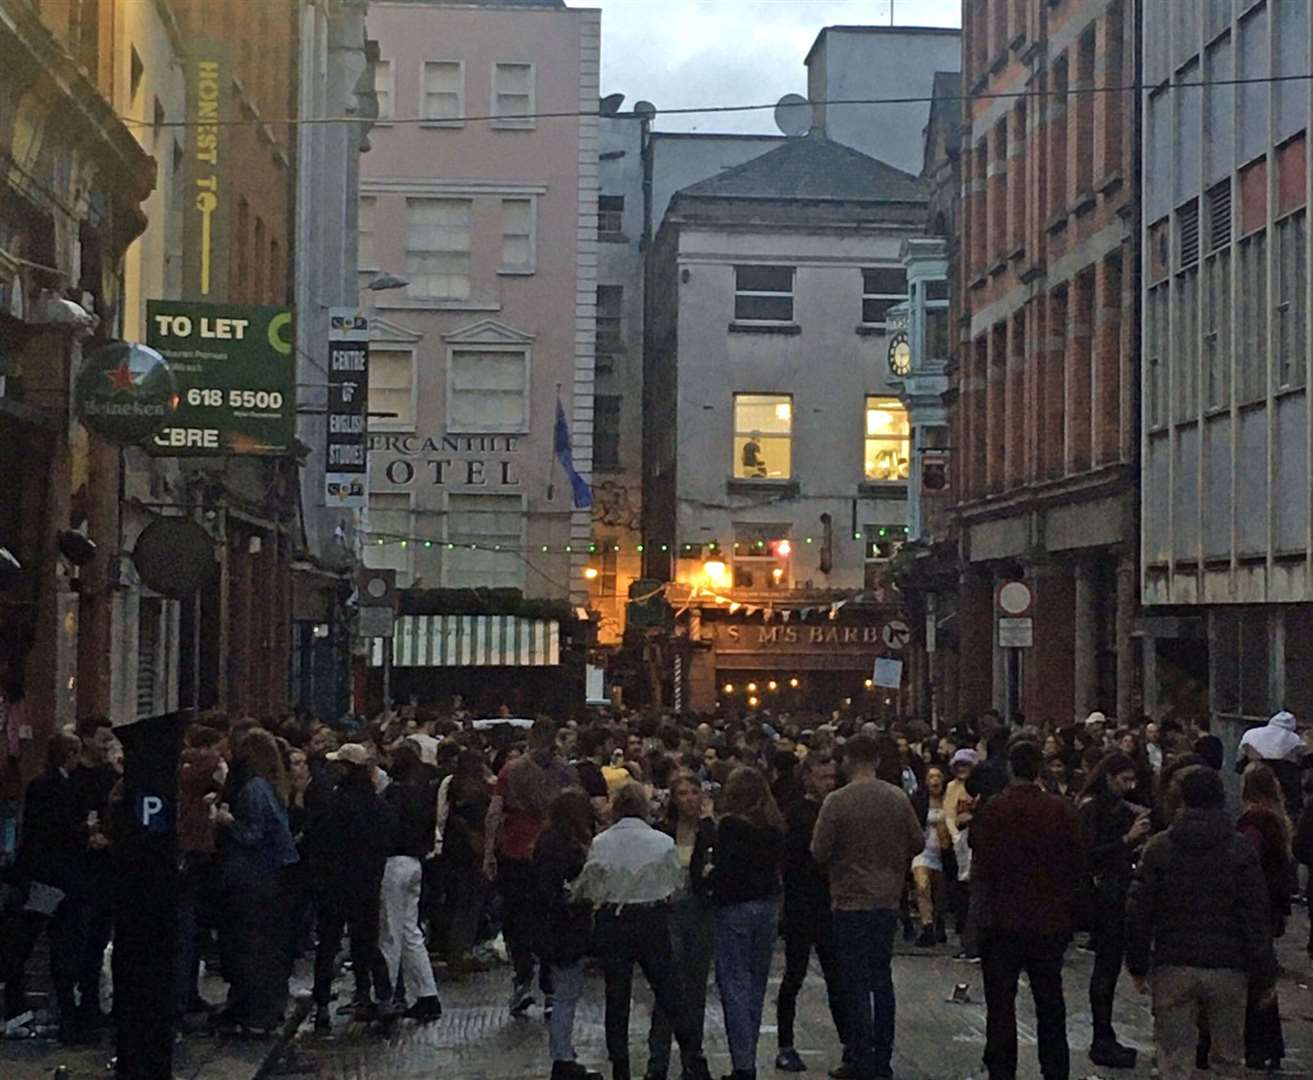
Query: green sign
236, 373
125, 392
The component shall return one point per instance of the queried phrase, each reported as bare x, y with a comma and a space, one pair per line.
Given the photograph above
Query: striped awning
471, 641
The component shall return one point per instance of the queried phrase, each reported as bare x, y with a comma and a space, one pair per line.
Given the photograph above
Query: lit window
392, 389
487, 392
888, 440
512, 95
763, 436
438, 248
882, 288
762, 557
383, 88
444, 92
517, 255
763, 293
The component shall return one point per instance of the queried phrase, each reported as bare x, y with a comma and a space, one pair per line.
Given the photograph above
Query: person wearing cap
958, 808
1096, 727
354, 831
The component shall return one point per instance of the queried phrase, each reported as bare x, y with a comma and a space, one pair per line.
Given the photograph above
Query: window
517, 247
610, 558
392, 388
444, 93
762, 557
1251, 355
389, 520
512, 95
611, 217
1219, 215
888, 440
490, 522
763, 436
882, 541
487, 392
438, 248
366, 259
1187, 234
383, 89
937, 346
882, 288
1186, 335
763, 294
1292, 299
1217, 330
1158, 340
606, 432
610, 305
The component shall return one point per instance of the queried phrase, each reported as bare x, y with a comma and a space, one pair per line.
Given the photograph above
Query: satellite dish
611, 104
644, 110
793, 115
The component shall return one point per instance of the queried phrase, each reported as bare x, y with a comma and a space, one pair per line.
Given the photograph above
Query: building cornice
434, 186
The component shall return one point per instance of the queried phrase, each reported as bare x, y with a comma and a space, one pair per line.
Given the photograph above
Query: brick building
1046, 423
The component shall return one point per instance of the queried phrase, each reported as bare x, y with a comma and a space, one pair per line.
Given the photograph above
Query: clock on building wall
900, 355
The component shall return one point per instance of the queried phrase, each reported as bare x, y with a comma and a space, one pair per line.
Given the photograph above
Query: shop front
809, 659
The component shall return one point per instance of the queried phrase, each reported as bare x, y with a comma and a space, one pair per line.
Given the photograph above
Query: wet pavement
476, 1039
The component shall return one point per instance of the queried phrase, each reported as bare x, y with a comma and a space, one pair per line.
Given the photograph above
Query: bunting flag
582, 493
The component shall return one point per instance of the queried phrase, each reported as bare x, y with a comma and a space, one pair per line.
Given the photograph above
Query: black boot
1109, 1053
941, 934
572, 1070
620, 1069
909, 930
425, 1010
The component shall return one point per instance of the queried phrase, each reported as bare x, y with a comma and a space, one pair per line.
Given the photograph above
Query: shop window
763, 294
888, 440
763, 436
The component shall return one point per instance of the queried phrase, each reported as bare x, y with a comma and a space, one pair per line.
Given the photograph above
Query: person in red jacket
1025, 847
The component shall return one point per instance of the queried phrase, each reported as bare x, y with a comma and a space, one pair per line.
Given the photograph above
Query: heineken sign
125, 392
236, 376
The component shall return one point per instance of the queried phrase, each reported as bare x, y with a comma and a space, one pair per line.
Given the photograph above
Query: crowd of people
688, 847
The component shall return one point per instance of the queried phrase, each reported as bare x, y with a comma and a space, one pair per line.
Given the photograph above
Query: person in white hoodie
1280, 746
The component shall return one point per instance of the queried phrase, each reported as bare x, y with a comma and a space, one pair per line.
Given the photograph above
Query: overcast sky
680, 53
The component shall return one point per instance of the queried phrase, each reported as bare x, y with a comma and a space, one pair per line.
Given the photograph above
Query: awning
471, 641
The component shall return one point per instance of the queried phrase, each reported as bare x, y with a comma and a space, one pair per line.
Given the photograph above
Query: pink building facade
489, 210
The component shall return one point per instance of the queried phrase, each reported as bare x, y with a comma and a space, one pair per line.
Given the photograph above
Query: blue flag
583, 494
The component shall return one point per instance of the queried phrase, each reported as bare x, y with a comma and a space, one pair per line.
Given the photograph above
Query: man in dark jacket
1027, 853
350, 843
1197, 914
806, 922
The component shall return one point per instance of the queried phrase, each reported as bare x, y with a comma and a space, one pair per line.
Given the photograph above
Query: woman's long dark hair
748, 796
571, 814
259, 750
1109, 765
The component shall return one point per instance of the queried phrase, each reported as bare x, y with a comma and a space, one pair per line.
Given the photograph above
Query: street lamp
385, 282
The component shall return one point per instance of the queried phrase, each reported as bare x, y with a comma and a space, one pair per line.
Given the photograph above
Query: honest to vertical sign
205, 212
346, 462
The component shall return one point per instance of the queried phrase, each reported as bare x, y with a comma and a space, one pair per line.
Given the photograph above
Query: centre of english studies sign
236, 376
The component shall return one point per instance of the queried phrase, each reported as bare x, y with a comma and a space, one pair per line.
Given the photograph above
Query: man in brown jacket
1026, 850
866, 835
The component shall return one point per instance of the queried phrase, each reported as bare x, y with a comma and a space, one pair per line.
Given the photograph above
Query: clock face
377, 587
900, 355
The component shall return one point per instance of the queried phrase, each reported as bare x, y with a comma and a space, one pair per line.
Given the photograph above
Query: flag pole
551, 468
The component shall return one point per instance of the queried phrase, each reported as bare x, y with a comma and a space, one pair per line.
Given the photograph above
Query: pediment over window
384, 331
488, 332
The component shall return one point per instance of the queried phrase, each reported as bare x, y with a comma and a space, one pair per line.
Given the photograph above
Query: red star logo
121, 378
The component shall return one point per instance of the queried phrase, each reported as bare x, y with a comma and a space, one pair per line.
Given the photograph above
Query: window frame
475, 347
894, 298
615, 464
768, 293
603, 233
531, 267
1290, 308
427, 298
371, 232
399, 424
385, 119
603, 348
428, 121
736, 434
519, 543
513, 122
890, 404
751, 559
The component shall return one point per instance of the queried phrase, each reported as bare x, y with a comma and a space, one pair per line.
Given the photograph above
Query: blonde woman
928, 867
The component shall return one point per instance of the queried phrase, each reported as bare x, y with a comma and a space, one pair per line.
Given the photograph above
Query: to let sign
236, 378
347, 461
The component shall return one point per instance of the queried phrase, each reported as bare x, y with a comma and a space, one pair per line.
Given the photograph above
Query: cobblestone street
936, 1040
